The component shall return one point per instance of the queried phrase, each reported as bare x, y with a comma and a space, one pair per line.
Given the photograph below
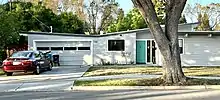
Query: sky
127, 4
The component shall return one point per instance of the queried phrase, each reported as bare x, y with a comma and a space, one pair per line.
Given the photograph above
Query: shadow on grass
144, 82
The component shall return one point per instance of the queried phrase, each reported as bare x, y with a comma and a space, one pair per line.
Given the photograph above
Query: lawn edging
107, 88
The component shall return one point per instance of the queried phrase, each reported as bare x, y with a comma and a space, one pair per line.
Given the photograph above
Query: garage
71, 52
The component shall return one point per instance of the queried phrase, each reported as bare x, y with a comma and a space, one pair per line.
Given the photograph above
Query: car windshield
21, 55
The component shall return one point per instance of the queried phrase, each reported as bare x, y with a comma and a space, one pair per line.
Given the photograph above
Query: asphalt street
113, 95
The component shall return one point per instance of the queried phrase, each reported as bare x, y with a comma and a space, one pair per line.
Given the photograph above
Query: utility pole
51, 29
10, 1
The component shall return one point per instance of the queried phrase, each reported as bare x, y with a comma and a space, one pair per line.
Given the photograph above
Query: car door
39, 59
45, 60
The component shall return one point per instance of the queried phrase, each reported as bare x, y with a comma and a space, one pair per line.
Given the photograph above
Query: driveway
59, 79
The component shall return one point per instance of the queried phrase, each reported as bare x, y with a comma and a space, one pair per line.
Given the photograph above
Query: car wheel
9, 73
37, 72
49, 67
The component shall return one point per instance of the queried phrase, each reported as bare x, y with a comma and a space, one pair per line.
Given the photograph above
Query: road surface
114, 95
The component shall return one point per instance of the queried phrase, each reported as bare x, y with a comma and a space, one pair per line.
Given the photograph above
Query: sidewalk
133, 76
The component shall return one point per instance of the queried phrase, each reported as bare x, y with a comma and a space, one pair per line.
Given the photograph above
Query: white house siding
186, 27
201, 51
101, 49
198, 50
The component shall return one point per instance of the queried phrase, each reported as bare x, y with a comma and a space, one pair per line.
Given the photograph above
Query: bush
3, 55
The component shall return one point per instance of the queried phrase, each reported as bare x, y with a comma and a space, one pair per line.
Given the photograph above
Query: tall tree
133, 20
50, 4
78, 6
39, 18
199, 11
217, 27
70, 23
167, 40
9, 28
100, 14
203, 23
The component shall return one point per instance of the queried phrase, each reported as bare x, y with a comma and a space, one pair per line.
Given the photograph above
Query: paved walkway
133, 76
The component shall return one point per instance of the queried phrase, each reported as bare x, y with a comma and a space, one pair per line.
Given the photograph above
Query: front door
151, 51
141, 52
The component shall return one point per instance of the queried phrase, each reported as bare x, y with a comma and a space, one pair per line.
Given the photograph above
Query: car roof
31, 51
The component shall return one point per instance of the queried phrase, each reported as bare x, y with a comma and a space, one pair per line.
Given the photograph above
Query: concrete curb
105, 88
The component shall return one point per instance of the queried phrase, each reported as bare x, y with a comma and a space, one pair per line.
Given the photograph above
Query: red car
26, 61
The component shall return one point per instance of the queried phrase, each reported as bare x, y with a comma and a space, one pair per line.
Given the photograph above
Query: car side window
31, 55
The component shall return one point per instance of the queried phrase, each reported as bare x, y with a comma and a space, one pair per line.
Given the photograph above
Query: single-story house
128, 47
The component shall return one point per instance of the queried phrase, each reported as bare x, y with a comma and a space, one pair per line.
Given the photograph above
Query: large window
69, 48
43, 48
181, 46
83, 48
116, 45
56, 48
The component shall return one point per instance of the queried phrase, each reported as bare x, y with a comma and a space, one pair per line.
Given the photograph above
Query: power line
49, 27
39, 20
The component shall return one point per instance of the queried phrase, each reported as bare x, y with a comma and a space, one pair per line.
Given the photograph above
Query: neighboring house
134, 46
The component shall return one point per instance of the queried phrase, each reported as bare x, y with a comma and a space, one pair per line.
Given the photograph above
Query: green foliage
39, 18
70, 23
160, 10
3, 55
24, 16
133, 20
100, 14
9, 28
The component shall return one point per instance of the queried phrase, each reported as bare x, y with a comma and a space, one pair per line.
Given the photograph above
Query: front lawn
192, 71
143, 82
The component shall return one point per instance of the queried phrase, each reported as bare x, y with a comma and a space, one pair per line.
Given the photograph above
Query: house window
181, 46
83, 48
69, 48
116, 45
56, 48
43, 48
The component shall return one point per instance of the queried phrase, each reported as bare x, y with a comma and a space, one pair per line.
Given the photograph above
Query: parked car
26, 61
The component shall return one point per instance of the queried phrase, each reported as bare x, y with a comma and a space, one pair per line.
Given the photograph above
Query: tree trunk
167, 41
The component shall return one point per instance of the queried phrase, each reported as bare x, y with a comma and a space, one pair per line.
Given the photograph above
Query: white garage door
71, 52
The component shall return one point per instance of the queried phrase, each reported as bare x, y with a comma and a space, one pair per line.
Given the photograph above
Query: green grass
192, 71
1, 72
102, 71
143, 82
